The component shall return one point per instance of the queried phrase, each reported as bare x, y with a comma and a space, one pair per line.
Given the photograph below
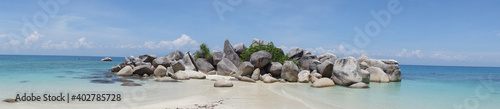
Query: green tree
278, 55
204, 52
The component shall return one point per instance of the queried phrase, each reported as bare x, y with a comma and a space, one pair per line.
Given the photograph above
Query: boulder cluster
304, 67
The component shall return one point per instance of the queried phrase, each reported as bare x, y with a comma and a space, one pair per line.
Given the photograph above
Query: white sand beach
192, 94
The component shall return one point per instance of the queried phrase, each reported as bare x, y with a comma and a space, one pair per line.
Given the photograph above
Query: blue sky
421, 32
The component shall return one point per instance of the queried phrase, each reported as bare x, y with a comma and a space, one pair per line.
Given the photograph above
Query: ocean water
436, 87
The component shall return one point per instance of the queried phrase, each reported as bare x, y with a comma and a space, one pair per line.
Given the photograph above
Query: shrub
277, 53
204, 52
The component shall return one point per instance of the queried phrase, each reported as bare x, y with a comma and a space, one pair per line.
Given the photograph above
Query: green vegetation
204, 52
277, 53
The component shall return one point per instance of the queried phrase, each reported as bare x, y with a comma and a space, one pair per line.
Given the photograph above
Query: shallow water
422, 86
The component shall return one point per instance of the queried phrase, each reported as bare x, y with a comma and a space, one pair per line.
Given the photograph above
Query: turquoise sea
422, 87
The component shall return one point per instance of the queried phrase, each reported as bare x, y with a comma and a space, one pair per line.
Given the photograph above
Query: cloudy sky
414, 32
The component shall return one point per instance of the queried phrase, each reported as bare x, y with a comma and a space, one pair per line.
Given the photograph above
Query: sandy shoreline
195, 94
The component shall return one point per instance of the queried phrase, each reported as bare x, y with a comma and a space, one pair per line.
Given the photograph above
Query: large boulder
238, 48
305, 62
289, 71
127, 61
161, 61
194, 74
175, 55
363, 65
115, 69
295, 54
181, 75
223, 83
160, 71
144, 69
147, 57
106, 59
326, 69
365, 76
390, 67
314, 65
226, 67
170, 71
178, 66
217, 56
274, 68
138, 63
230, 54
304, 76
125, 71
203, 65
245, 69
377, 75
327, 57
392, 70
261, 58
323, 82
188, 61
346, 72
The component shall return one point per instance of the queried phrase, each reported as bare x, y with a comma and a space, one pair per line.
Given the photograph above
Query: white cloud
340, 50
3, 35
286, 49
217, 48
405, 53
448, 57
33, 38
15, 42
181, 42
81, 43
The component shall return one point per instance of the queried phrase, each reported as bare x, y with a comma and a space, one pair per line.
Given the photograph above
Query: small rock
359, 85
247, 79
268, 78
213, 72
256, 74
109, 76
10, 100
304, 76
323, 82
223, 83
281, 80
106, 59
130, 84
166, 80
